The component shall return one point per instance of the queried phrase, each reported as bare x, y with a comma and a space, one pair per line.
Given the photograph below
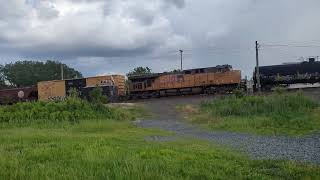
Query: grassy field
111, 147
60, 114
277, 114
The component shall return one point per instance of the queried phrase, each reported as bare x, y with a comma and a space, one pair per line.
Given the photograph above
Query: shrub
71, 110
288, 114
277, 104
280, 90
96, 96
73, 93
239, 93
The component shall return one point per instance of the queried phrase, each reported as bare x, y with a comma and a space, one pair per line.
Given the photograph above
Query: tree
2, 80
2, 83
28, 73
140, 70
175, 71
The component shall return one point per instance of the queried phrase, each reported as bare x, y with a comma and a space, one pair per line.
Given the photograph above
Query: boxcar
219, 79
14, 95
113, 86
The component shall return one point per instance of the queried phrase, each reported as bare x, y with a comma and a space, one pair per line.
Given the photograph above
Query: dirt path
303, 149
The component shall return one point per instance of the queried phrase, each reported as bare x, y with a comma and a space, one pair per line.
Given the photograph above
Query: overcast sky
114, 36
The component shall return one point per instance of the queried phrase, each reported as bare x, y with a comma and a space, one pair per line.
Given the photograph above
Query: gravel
301, 149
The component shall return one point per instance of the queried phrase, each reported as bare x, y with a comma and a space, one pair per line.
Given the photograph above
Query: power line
169, 54
285, 49
221, 49
288, 45
294, 42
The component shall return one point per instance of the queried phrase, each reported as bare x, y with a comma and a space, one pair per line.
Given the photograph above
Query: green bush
96, 96
288, 114
71, 110
239, 93
280, 90
73, 93
278, 104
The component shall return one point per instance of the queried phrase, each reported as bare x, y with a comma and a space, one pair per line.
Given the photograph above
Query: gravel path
302, 149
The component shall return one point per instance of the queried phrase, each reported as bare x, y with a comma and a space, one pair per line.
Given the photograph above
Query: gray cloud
116, 35
47, 10
177, 3
12, 10
225, 31
62, 28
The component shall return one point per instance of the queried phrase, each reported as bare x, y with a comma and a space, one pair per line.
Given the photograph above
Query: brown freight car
14, 95
117, 80
52, 90
203, 80
113, 86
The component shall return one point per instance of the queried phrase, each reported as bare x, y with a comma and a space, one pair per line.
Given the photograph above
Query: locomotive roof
154, 75
147, 75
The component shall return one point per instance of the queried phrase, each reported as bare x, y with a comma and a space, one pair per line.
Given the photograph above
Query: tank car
287, 74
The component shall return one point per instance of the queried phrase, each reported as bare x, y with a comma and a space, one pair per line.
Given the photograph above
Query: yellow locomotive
202, 80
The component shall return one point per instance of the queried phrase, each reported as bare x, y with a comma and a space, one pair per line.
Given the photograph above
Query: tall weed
277, 104
72, 110
289, 114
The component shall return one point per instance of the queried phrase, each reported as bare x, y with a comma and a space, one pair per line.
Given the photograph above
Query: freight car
287, 74
219, 79
14, 95
113, 86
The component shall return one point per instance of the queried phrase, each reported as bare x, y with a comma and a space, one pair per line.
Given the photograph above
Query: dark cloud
57, 28
47, 11
116, 35
12, 10
225, 31
54, 51
177, 3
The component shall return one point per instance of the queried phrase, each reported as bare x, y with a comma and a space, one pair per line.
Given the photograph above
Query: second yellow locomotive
203, 80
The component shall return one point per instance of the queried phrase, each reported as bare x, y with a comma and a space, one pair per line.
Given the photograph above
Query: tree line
29, 73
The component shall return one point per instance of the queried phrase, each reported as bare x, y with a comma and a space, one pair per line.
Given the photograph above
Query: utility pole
181, 51
257, 67
61, 71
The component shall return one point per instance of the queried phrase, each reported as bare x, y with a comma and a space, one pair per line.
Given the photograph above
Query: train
285, 75
222, 79
14, 95
210, 80
113, 86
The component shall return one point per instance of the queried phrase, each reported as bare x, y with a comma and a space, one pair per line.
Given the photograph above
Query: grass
99, 149
68, 112
277, 114
109, 146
